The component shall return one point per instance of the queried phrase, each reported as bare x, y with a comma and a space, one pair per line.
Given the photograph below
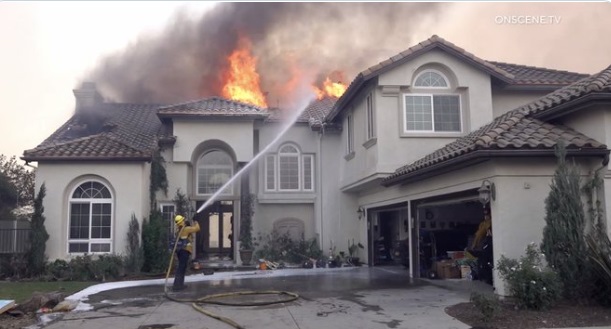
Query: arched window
214, 169
434, 107
90, 227
289, 170
431, 79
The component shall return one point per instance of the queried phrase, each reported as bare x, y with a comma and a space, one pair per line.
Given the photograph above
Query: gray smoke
188, 59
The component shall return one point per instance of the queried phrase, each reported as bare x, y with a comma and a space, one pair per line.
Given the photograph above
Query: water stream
288, 124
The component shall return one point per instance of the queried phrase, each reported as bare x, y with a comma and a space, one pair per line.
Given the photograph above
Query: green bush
89, 268
38, 237
488, 305
81, 268
107, 267
58, 269
12, 266
155, 242
279, 247
563, 236
135, 256
534, 285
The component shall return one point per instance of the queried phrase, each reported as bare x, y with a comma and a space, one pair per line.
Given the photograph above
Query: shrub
487, 305
12, 266
155, 241
135, 256
81, 268
279, 247
107, 267
598, 242
35, 255
563, 236
534, 285
58, 269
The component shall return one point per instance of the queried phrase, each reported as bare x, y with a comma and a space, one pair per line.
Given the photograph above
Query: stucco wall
518, 212
237, 134
128, 183
504, 101
394, 148
267, 214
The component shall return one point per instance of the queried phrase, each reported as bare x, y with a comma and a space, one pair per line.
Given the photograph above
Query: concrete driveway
380, 297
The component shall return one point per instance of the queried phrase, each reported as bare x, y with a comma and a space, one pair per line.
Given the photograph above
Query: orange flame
330, 89
243, 82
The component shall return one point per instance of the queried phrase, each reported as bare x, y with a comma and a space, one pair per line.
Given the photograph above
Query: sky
47, 48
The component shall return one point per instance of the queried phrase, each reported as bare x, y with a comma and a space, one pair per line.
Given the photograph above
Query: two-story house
423, 142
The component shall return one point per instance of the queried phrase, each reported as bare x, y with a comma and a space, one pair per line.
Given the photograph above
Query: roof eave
249, 116
479, 156
592, 99
84, 158
356, 85
534, 87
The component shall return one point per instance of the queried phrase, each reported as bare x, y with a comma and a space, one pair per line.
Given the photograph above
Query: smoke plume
292, 41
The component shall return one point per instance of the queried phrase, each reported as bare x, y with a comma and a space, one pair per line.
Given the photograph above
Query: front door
215, 239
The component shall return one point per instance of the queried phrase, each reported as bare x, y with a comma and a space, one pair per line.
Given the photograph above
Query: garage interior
444, 229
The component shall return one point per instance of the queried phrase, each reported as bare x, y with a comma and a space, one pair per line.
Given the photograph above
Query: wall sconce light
360, 212
486, 192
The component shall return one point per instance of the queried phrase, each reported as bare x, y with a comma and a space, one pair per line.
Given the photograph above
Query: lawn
21, 291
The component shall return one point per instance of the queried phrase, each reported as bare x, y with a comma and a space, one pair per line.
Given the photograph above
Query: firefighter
184, 249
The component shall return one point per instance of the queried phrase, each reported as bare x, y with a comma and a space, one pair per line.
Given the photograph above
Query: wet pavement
380, 297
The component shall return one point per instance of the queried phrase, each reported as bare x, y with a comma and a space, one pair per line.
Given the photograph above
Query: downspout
320, 180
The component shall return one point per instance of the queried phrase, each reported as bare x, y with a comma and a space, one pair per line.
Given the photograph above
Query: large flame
242, 81
330, 89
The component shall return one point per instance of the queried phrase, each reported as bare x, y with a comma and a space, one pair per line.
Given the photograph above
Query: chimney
87, 96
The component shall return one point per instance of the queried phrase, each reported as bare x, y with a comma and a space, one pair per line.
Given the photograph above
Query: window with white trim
289, 170
371, 132
214, 169
350, 134
90, 219
167, 212
432, 112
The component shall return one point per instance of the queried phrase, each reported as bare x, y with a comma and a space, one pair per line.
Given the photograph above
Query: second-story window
371, 132
438, 110
350, 134
289, 170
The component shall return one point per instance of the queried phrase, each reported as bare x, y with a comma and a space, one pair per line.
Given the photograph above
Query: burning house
421, 144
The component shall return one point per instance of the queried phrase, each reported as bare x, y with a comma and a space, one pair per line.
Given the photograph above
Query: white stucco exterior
345, 181
128, 183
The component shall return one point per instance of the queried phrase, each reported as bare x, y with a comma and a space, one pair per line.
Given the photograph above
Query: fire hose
197, 303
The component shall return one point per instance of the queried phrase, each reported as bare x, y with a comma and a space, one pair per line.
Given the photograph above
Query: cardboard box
447, 269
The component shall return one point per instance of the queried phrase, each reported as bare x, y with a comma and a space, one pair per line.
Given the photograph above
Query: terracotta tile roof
520, 129
511, 74
531, 75
426, 45
213, 106
108, 131
313, 114
598, 85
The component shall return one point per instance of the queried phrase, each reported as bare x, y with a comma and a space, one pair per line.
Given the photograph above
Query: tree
564, 242
155, 243
20, 177
8, 197
135, 255
35, 256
